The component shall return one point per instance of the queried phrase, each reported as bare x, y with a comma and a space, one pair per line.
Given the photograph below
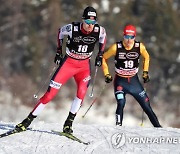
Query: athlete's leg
60, 77
140, 95
82, 80
121, 100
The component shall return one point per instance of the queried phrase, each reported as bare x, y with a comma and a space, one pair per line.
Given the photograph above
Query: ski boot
118, 124
25, 123
67, 128
118, 120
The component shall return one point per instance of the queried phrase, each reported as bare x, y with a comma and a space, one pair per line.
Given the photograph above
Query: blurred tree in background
28, 34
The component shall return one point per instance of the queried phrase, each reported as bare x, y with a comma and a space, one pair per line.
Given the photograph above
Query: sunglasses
129, 36
89, 21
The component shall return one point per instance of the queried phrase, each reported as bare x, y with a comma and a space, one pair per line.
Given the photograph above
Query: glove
145, 76
108, 78
98, 61
58, 58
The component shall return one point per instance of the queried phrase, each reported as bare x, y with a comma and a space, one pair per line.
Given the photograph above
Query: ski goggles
129, 36
89, 21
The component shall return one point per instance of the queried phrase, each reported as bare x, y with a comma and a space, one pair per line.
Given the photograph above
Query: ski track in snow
103, 139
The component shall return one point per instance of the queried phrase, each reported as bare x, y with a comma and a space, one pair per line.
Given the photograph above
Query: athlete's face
88, 24
129, 40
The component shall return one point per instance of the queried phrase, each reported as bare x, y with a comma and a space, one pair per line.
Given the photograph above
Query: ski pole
44, 83
142, 117
95, 74
102, 90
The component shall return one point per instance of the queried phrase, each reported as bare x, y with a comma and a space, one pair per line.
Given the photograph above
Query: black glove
145, 76
98, 61
58, 58
108, 78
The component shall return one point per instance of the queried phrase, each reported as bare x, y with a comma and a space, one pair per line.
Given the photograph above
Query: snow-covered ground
97, 128
103, 139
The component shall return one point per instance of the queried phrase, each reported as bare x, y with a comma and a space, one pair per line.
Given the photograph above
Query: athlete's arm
102, 40
110, 52
146, 57
63, 31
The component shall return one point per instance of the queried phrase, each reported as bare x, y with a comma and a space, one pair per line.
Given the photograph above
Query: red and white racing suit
76, 63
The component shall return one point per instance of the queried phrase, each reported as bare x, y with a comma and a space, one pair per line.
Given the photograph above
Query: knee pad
119, 96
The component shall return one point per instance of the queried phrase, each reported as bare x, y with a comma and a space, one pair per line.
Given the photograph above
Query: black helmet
89, 12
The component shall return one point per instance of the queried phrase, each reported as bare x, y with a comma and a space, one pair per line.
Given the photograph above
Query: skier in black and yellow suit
127, 56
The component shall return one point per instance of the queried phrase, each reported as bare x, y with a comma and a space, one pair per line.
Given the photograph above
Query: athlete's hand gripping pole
102, 90
44, 83
95, 74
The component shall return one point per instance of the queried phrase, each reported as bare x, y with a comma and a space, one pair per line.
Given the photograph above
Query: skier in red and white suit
82, 37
